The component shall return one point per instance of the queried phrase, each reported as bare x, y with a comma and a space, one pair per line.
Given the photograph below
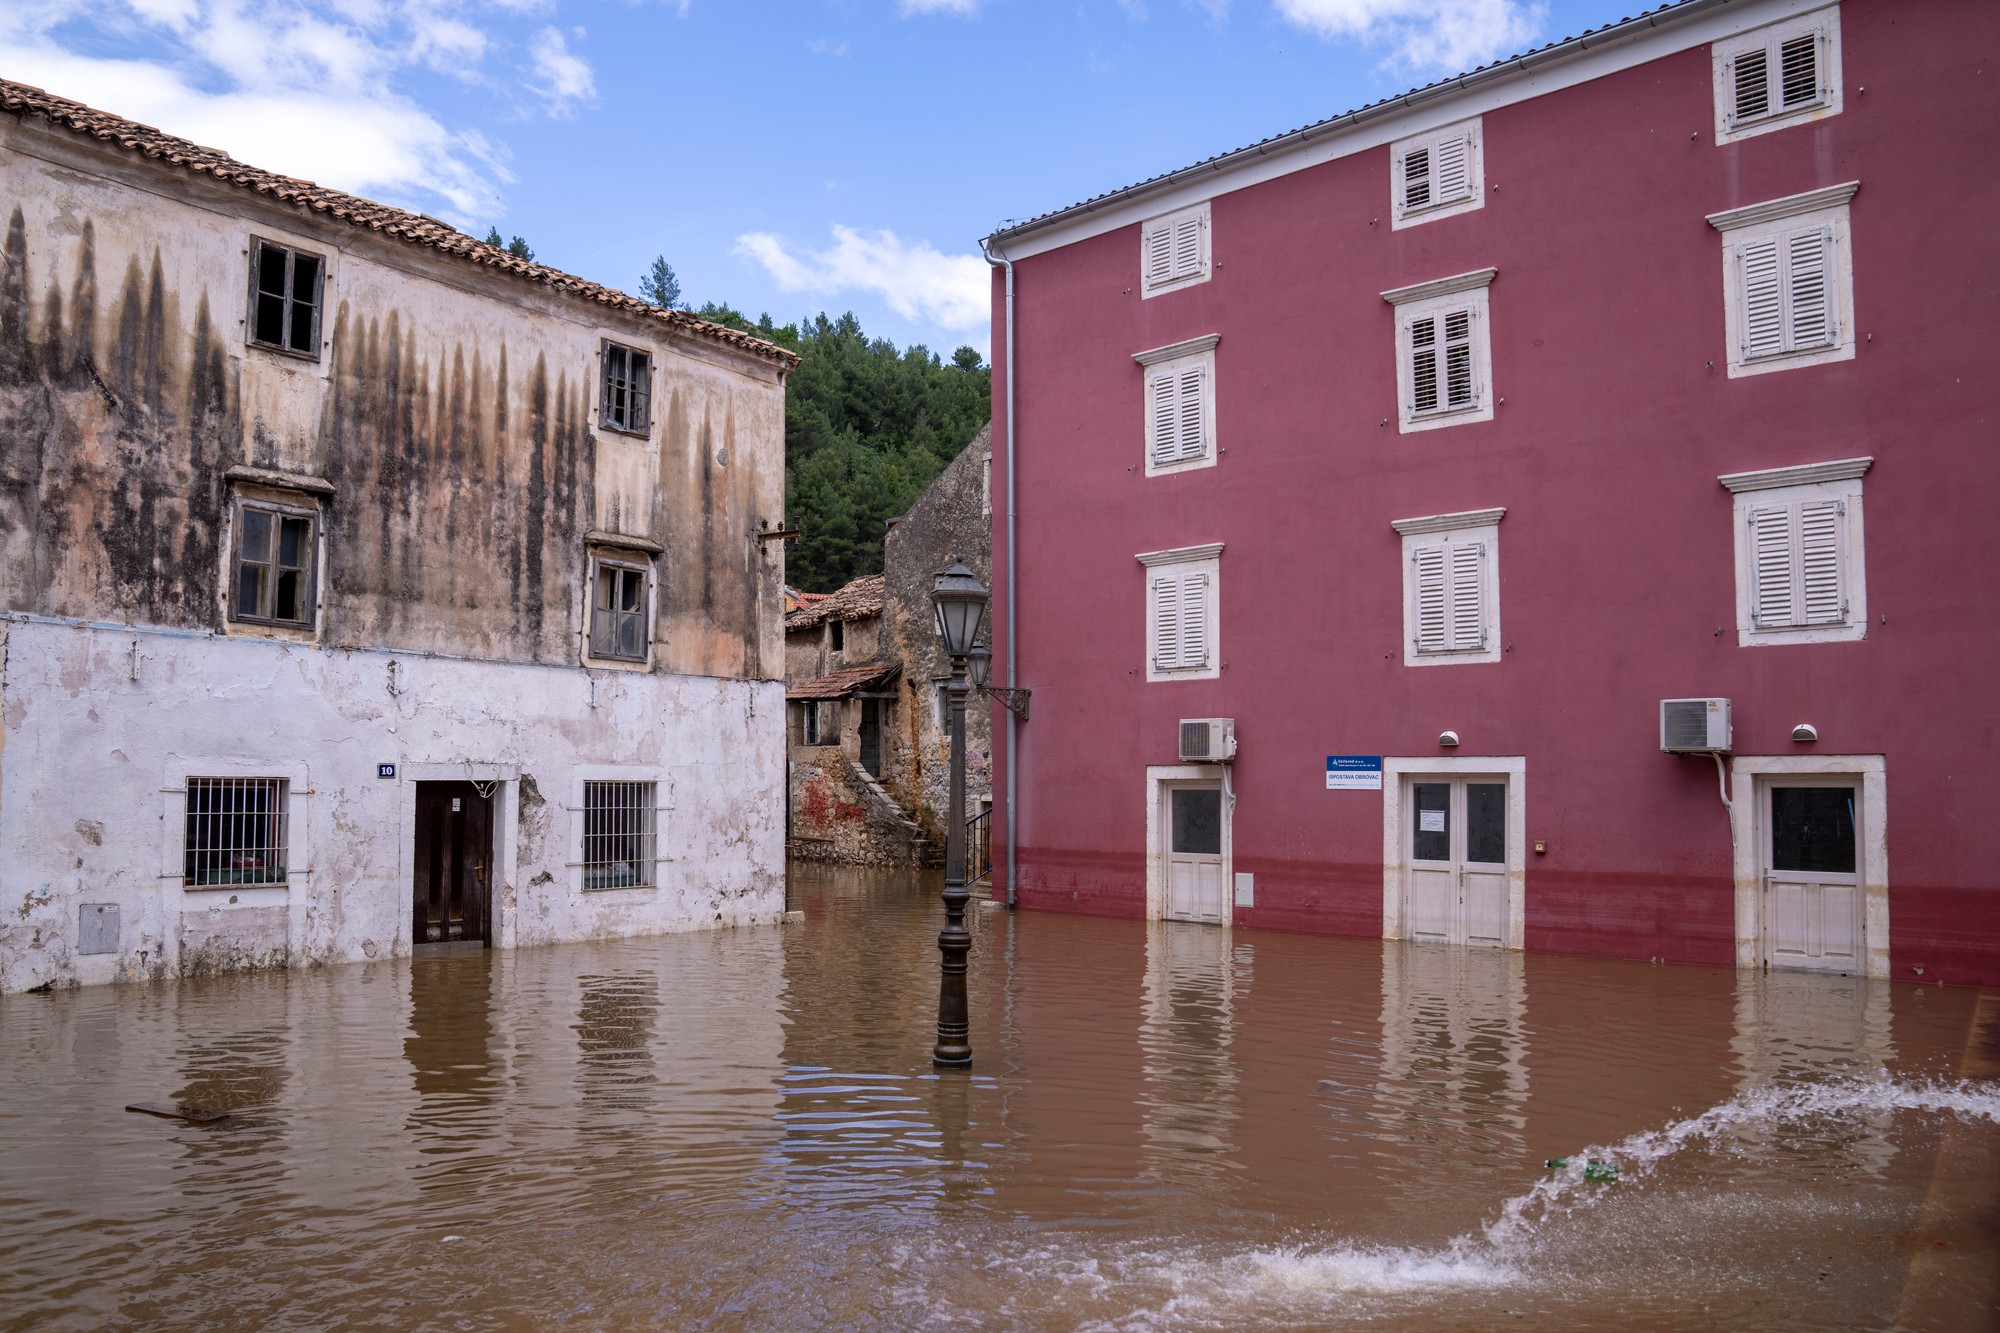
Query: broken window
235, 831
274, 566
285, 298
618, 609
822, 721
628, 389
619, 823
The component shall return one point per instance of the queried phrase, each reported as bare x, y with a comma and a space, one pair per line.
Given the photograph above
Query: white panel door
1456, 854
1812, 888
1194, 854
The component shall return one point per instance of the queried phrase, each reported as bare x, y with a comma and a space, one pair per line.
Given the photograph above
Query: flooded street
1165, 1127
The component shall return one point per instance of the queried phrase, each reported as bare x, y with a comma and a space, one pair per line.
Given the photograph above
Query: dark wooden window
618, 609
628, 389
285, 290
273, 582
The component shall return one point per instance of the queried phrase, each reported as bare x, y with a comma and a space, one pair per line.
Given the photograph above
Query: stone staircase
923, 849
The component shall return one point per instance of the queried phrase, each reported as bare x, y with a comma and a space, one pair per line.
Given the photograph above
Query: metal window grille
285, 299
619, 835
236, 831
628, 387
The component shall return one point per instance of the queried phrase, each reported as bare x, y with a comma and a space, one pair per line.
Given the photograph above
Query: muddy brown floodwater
1165, 1127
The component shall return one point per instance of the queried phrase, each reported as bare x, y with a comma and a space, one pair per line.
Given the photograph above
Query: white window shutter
1416, 179
1763, 299
1166, 622
1187, 247
1423, 364
1798, 70
1460, 390
1749, 76
1432, 599
1452, 169
1821, 551
1194, 620
1809, 288
1773, 586
1468, 596
1193, 416
1162, 387
1159, 246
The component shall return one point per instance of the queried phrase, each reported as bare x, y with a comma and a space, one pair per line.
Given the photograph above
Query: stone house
870, 749
362, 586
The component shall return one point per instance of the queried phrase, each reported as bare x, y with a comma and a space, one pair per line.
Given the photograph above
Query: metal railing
979, 846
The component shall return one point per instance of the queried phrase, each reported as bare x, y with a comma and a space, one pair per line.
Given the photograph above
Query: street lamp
1014, 701
961, 600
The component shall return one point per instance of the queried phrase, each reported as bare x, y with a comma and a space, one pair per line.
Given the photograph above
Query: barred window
235, 831
274, 566
619, 822
285, 299
628, 389
618, 609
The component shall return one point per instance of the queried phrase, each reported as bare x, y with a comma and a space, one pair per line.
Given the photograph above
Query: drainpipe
993, 256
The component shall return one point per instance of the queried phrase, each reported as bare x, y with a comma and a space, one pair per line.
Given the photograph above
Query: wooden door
1455, 881
453, 864
1194, 854
1812, 885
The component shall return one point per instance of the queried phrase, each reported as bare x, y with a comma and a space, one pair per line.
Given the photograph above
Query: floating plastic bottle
1556, 1163
1596, 1170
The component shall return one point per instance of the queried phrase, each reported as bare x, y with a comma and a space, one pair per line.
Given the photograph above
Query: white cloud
1441, 35
565, 76
966, 7
821, 46
922, 284
310, 88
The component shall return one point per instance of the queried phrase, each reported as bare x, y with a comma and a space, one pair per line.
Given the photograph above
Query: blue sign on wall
1354, 772
385, 770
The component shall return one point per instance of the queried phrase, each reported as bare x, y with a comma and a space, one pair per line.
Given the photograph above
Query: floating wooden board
194, 1115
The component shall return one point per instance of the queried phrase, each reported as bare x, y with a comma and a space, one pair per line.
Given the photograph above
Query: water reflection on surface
1167, 1126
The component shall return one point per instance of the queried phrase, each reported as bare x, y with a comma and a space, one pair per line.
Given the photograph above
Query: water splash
1758, 1109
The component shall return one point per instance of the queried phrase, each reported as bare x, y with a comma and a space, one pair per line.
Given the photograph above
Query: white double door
1194, 836
1455, 851
1812, 892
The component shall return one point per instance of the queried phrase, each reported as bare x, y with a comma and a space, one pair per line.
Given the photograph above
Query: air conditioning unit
1208, 740
1694, 726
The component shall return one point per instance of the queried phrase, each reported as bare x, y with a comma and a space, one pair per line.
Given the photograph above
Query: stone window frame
292, 495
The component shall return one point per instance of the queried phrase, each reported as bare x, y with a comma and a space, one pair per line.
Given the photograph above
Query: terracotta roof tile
839, 684
857, 600
22, 99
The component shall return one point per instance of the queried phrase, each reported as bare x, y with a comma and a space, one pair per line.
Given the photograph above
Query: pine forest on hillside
867, 428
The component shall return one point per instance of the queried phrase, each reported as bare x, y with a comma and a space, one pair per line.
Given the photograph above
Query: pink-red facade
1614, 417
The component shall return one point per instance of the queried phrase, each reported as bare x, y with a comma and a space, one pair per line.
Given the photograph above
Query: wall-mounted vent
1694, 726
1208, 740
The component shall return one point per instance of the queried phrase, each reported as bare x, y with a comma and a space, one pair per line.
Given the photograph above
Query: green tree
517, 247
659, 285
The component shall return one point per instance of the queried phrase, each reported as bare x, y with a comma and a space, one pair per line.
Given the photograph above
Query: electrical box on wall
1694, 726
1208, 740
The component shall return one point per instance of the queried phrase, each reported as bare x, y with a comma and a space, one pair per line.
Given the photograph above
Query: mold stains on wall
108, 443
444, 533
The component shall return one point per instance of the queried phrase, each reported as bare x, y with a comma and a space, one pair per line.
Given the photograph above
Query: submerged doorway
1457, 857
1453, 833
452, 888
1194, 853
1810, 855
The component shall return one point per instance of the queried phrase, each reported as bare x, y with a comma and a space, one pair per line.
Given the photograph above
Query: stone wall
838, 815
952, 520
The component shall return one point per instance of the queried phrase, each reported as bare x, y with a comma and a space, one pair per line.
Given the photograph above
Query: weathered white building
361, 586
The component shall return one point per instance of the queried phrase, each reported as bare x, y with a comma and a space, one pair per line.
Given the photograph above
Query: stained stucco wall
453, 410
99, 729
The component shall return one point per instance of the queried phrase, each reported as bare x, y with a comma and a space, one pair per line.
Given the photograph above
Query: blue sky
785, 155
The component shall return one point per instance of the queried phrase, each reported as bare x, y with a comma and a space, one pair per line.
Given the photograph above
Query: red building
1460, 432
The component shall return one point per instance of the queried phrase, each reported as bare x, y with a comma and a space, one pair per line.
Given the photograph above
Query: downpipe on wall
995, 257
